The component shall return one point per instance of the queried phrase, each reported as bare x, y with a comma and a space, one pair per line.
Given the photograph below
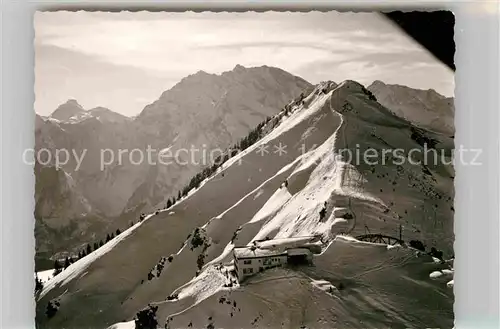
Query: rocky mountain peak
66, 110
239, 68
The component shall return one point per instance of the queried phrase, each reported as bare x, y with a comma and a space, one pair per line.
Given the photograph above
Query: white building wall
251, 266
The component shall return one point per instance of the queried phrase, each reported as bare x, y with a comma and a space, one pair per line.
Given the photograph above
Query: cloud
170, 46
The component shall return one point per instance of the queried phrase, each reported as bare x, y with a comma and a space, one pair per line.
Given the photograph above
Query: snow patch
436, 274
123, 325
443, 273
259, 193
272, 205
45, 275
389, 246
206, 284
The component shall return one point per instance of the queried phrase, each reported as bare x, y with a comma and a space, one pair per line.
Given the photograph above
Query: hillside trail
342, 126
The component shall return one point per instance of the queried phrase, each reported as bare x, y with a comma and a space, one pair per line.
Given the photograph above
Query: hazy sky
124, 61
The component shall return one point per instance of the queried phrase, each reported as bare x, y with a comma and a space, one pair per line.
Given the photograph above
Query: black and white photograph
240, 170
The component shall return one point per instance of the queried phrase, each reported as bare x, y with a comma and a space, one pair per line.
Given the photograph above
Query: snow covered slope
186, 249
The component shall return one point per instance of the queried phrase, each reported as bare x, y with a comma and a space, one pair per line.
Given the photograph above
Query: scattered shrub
146, 319
173, 297
436, 253
417, 244
322, 213
348, 216
371, 96
253, 136
419, 136
200, 261
38, 284
57, 268
197, 240
51, 309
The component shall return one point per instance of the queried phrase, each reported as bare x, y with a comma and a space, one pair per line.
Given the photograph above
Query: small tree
96, 246
66, 263
38, 284
436, 253
200, 261
101, 244
197, 239
89, 249
51, 310
322, 213
169, 203
146, 319
108, 238
57, 267
417, 245
118, 232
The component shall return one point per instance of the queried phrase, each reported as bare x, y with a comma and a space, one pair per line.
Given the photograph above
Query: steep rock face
309, 190
61, 213
202, 112
425, 108
84, 143
56, 195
